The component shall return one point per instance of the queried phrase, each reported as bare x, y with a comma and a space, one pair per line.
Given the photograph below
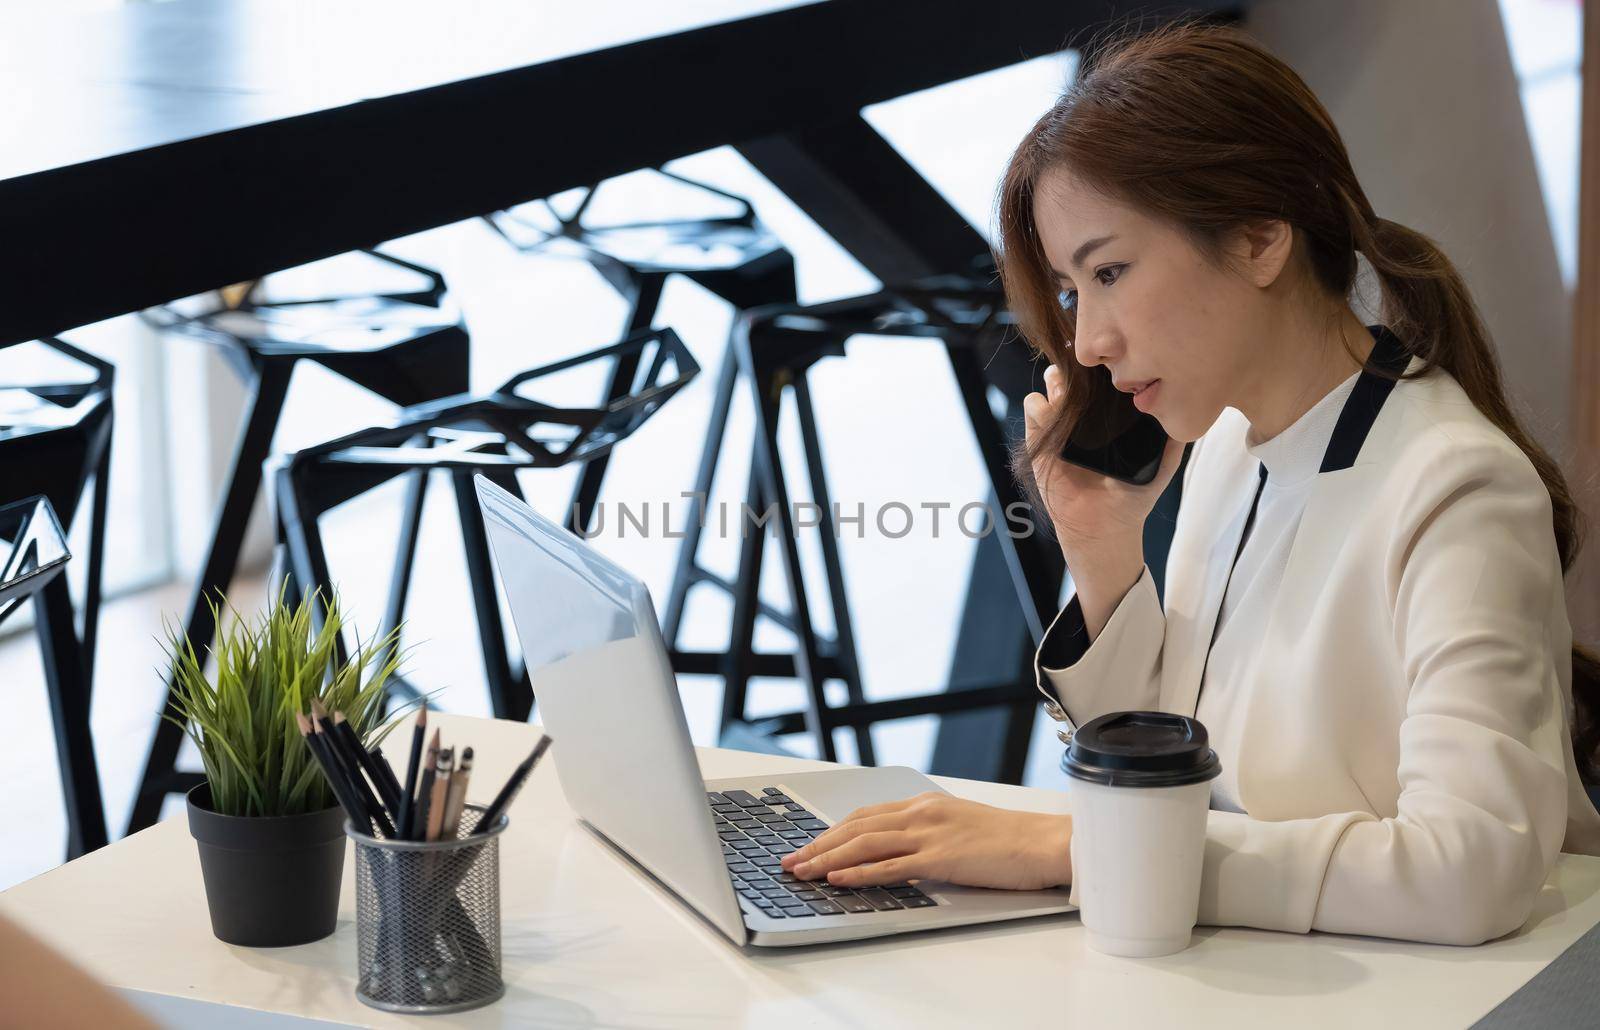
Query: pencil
456, 800
362, 758
321, 721
408, 796
430, 769
350, 773
508, 793
345, 753
335, 781
441, 790
386, 772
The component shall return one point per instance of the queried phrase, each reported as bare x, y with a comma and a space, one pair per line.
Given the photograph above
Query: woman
44, 991
1364, 592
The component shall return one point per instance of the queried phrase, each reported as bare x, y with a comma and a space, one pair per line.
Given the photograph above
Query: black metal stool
33, 556
493, 435
55, 438
732, 256
773, 348
407, 345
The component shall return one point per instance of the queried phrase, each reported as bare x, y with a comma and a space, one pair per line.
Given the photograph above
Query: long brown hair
1198, 125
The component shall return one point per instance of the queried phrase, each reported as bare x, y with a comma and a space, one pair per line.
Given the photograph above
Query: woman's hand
934, 836
1087, 508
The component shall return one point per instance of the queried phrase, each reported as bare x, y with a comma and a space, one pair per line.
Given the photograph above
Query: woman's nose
1093, 343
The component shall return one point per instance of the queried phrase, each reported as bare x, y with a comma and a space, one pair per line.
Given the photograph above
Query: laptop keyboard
757, 830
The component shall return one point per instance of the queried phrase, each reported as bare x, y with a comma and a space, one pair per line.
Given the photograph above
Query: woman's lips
1144, 397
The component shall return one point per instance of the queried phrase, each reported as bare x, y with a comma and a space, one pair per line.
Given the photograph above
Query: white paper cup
1141, 786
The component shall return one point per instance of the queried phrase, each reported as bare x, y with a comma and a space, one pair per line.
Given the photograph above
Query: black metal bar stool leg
1034, 563
646, 301
844, 631
736, 666
222, 558
770, 465
1034, 570
308, 561
405, 550
95, 577
67, 682
684, 575
506, 479
280, 574
507, 695
400, 581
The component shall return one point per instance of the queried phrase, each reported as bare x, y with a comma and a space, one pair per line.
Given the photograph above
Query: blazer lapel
1340, 495
1336, 501
1199, 602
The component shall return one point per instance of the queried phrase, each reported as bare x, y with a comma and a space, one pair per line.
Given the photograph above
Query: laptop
607, 693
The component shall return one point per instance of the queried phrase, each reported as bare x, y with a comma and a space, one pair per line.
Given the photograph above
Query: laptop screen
605, 690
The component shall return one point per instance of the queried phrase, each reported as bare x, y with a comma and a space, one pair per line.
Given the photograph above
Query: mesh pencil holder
428, 920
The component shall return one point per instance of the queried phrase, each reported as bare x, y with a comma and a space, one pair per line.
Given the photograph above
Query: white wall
1427, 100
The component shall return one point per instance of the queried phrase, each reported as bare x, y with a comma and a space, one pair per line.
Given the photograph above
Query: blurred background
1464, 120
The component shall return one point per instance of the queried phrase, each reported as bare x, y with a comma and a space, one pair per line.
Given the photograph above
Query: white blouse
1292, 459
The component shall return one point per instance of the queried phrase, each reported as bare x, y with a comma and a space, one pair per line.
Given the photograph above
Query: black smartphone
1116, 439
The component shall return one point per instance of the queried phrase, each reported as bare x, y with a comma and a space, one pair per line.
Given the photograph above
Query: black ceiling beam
104, 237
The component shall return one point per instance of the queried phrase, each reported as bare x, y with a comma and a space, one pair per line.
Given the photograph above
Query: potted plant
269, 830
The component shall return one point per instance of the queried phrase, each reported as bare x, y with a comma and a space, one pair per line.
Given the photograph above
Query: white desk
591, 943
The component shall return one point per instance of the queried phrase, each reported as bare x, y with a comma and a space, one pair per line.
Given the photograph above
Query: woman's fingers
1039, 408
847, 831
893, 870
881, 808
1036, 413
1053, 382
869, 847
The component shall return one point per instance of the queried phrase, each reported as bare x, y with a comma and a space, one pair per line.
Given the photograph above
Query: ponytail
1426, 304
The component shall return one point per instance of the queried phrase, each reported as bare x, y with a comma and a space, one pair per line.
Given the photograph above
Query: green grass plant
242, 719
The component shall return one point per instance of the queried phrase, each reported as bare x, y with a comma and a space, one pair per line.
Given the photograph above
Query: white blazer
1406, 764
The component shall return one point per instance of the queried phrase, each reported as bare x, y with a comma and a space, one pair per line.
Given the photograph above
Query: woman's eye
1068, 299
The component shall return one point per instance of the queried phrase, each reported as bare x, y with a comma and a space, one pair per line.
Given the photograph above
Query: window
1546, 41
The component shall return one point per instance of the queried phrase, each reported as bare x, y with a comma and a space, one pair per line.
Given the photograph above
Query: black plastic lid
1141, 749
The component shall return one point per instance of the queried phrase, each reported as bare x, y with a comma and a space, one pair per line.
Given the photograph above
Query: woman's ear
1262, 250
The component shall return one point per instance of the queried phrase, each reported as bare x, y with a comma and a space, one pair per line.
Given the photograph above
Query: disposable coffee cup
1141, 787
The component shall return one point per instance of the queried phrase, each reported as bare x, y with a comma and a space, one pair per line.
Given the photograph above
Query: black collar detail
1366, 399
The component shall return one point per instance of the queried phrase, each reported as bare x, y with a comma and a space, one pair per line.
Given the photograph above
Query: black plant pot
271, 881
